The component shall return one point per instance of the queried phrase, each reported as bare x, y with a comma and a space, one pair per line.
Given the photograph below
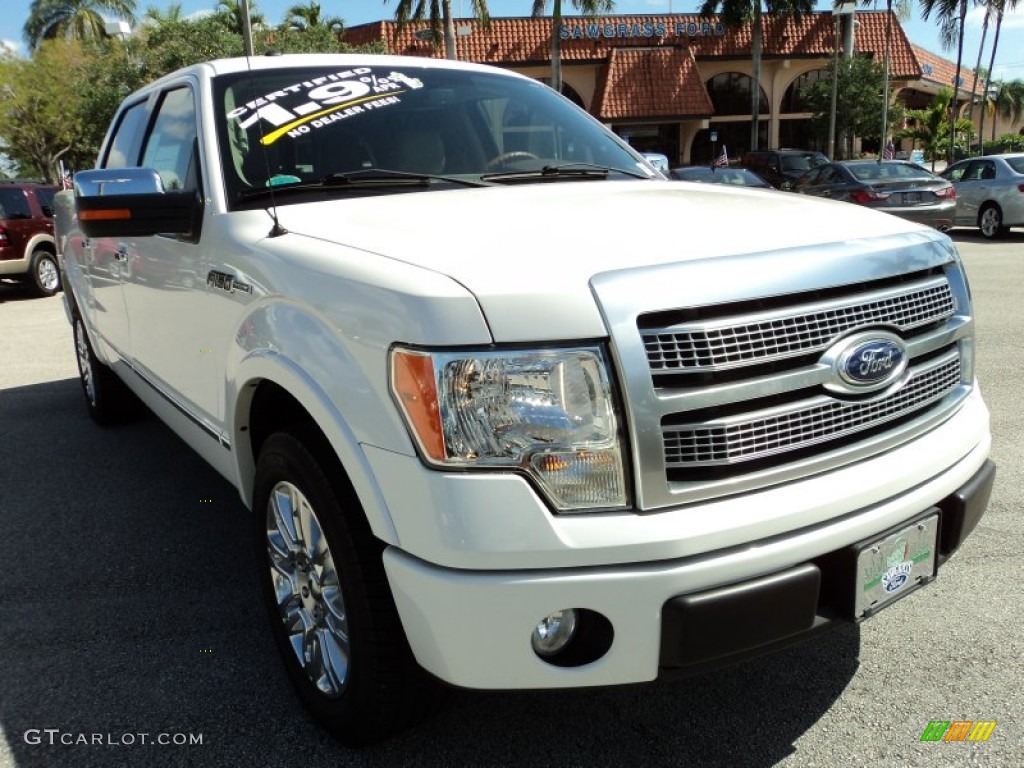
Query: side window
171, 143
124, 147
956, 173
14, 204
44, 196
973, 172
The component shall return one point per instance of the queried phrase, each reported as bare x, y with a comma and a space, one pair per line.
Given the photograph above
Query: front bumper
472, 629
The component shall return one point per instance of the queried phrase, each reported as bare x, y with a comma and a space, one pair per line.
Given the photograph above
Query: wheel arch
279, 397
986, 204
41, 240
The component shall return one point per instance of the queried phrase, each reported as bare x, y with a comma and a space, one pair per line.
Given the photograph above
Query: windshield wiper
364, 178
377, 176
573, 171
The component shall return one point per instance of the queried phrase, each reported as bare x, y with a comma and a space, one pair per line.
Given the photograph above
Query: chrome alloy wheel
307, 590
991, 221
46, 272
85, 370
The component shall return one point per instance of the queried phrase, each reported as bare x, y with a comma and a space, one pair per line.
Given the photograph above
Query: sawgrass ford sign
621, 29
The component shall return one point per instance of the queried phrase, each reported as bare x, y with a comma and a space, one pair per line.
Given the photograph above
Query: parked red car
27, 250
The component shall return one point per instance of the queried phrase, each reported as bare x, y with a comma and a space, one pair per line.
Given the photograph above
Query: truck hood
528, 252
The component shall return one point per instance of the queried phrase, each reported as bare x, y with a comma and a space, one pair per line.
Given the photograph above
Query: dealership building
668, 83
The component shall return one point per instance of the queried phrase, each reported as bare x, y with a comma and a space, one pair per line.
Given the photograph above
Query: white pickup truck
510, 409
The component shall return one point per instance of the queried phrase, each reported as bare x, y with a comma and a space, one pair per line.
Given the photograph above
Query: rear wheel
331, 611
44, 273
990, 221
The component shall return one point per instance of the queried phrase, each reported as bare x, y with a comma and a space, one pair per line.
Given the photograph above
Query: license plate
911, 198
895, 566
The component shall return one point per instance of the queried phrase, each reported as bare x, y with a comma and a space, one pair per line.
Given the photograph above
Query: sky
1009, 62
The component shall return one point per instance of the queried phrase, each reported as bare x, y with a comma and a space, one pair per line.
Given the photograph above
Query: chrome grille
762, 434
729, 343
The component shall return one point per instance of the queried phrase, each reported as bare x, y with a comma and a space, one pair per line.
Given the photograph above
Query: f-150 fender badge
226, 282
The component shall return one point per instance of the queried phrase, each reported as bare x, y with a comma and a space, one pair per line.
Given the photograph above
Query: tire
330, 608
990, 221
107, 399
44, 274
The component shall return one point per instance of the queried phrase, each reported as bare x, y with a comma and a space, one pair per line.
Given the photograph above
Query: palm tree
303, 17
157, 18
1000, 7
442, 23
902, 8
230, 12
930, 128
1007, 101
739, 13
79, 19
989, 10
951, 15
586, 7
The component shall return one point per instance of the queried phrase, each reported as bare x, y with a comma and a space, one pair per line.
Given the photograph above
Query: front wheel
331, 611
990, 222
45, 275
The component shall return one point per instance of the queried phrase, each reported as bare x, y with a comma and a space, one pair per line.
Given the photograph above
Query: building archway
568, 91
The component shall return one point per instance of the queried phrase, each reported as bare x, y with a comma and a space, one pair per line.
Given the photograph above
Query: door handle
121, 254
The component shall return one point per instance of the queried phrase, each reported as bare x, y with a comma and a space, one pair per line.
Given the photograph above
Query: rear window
883, 171
802, 162
1017, 163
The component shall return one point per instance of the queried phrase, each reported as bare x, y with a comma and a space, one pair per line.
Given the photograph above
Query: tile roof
518, 41
937, 70
644, 83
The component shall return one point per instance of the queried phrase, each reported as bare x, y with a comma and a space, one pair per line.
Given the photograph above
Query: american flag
722, 160
890, 152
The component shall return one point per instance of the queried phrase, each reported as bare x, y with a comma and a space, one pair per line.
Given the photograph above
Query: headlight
548, 413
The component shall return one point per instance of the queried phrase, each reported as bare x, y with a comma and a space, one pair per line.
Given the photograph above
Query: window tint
124, 147
169, 148
13, 204
44, 196
956, 173
802, 162
730, 94
974, 171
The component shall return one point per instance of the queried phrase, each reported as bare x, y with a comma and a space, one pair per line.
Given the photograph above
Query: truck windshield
301, 126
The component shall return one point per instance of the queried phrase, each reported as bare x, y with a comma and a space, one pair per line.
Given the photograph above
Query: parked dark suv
777, 166
27, 250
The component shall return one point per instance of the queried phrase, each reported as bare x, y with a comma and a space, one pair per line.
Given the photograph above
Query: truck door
105, 260
164, 287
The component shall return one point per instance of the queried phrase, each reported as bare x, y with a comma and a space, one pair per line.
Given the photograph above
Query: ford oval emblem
872, 362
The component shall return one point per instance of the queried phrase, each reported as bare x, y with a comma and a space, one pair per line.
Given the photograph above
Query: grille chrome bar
770, 432
768, 336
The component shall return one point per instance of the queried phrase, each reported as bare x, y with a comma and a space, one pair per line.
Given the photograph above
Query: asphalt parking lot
129, 605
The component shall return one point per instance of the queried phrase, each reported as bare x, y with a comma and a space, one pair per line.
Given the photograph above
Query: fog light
554, 631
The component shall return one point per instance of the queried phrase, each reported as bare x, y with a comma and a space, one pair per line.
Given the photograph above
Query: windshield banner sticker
322, 101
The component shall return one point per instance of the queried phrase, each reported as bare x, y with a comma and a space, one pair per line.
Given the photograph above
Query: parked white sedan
989, 192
